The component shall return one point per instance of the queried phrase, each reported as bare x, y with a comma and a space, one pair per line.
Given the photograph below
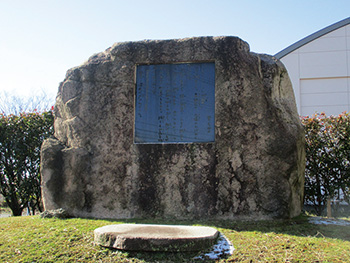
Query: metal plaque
175, 103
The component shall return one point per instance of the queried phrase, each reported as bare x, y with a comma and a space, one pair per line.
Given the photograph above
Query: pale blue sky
41, 39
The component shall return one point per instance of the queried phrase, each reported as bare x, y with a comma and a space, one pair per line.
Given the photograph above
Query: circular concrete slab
143, 237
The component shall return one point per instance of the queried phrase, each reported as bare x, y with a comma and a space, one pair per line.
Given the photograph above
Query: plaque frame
199, 87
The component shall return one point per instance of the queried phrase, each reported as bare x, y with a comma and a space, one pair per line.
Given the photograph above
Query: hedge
327, 173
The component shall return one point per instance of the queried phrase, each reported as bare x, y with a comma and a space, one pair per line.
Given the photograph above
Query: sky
41, 39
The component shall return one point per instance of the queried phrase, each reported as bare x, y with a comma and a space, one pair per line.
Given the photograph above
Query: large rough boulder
254, 169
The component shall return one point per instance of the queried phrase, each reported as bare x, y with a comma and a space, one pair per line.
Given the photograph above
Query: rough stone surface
254, 169
58, 213
143, 237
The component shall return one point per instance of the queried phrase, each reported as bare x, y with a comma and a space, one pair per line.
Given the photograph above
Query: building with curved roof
319, 68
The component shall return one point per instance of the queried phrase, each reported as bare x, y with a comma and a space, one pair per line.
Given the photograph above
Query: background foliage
21, 137
327, 173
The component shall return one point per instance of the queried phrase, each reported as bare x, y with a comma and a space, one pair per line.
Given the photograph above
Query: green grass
32, 239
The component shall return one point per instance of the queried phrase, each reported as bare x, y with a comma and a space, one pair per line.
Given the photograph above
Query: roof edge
312, 37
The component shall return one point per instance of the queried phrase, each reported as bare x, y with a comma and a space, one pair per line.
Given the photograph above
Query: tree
21, 137
11, 103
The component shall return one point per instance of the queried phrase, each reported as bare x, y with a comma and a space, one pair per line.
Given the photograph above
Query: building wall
320, 73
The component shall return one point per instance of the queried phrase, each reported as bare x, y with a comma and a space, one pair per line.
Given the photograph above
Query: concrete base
142, 237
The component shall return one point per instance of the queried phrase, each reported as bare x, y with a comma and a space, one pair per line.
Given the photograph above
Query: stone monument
187, 129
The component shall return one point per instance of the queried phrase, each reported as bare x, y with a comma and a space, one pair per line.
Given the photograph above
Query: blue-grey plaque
175, 103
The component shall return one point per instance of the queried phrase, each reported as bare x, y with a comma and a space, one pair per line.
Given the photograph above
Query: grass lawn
33, 239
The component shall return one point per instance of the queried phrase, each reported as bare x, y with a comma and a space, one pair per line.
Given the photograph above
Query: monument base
143, 237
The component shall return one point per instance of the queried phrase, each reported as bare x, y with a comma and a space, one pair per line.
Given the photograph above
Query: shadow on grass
299, 226
164, 256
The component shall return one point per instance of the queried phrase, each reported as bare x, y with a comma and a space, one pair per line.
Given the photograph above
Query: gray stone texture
254, 169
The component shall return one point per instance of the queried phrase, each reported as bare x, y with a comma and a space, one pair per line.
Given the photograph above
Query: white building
319, 68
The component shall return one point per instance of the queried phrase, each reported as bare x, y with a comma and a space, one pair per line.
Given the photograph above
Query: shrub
327, 173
